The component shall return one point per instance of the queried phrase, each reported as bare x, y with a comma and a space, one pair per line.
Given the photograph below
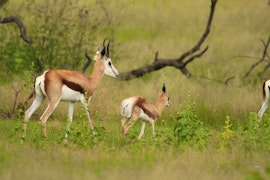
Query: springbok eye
110, 63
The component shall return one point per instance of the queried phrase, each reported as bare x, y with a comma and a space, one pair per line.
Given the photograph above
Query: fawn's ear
164, 88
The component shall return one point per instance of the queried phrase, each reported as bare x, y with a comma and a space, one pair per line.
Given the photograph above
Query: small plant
81, 134
188, 127
227, 135
256, 134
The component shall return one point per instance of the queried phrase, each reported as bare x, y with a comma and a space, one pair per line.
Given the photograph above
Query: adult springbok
70, 86
266, 98
135, 107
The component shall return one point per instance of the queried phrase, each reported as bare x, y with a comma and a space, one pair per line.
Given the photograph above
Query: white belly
70, 95
144, 116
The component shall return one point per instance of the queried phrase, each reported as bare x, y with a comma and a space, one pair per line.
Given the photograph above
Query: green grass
110, 156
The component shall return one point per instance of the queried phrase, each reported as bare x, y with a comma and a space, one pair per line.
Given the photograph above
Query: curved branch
263, 58
196, 56
179, 62
225, 82
156, 65
20, 25
205, 34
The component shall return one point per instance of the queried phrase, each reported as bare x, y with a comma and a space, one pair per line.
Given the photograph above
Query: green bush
188, 127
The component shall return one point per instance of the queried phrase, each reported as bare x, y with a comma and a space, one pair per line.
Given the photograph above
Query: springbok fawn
70, 86
135, 107
266, 97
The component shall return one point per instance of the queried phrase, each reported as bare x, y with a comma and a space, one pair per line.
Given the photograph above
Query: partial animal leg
85, 105
266, 94
153, 126
35, 105
70, 117
142, 130
123, 122
263, 108
39, 98
51, 107
128, 125
133, 118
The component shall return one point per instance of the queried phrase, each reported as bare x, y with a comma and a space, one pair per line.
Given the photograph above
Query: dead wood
182, 61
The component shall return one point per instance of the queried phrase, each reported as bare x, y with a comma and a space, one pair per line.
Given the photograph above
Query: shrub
188, 127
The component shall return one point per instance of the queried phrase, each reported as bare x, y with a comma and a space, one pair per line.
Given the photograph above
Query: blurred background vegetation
218, 116
62, 31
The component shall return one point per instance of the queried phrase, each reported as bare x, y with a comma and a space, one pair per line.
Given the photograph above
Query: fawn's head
163, 96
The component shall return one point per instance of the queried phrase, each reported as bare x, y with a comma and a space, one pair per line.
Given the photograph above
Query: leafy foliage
188, 127
60, 31
256, 134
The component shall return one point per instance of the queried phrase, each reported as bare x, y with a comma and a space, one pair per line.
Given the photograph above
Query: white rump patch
127, 106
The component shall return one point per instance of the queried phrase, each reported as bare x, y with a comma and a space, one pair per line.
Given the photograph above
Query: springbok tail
40, 85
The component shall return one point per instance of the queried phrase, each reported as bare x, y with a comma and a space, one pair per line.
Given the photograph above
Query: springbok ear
164, 88
98, 49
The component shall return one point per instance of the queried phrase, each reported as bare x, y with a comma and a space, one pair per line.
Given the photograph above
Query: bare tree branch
39, 66
179, 63
12, 113
265, 56
264, 69
225, 82
205, 34
20, 25
196, 56
17, 92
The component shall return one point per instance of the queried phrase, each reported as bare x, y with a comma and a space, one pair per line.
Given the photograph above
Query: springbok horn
104, 42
